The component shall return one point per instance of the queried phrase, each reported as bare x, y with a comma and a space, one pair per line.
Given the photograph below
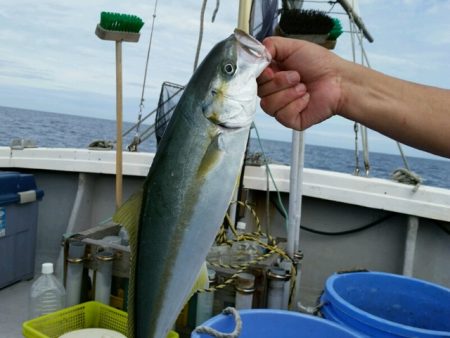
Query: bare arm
308, 84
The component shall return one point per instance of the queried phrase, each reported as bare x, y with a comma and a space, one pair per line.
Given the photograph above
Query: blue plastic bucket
263, 323
379, 304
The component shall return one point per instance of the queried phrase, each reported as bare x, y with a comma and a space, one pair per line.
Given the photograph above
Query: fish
173, 220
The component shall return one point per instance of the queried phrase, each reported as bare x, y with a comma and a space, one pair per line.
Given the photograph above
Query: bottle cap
47, 268
241, 225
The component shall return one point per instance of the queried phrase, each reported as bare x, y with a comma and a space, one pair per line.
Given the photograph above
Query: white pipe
410, 245
287, 266
295, 202
79, 215
245, 287
103, 277
295, 192
74, 273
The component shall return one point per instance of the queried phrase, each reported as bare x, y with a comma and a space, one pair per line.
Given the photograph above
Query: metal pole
358, 21
295, 191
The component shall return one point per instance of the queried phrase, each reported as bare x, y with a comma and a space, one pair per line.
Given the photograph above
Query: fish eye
229, 68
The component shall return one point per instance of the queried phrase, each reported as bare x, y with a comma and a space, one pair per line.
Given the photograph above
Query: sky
51, 59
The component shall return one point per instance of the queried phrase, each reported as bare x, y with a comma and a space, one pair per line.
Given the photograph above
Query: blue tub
263, 323
379, 304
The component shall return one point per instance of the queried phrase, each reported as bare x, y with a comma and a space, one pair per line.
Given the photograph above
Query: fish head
231, 98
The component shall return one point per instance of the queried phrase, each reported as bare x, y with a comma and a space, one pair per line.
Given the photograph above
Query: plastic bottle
47, 293
243, 251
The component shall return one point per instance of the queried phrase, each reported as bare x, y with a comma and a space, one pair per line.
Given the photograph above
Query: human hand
302, 85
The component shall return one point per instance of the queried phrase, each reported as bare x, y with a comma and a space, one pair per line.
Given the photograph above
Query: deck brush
120, 22
304, 22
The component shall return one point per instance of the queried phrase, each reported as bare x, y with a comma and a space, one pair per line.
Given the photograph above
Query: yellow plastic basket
82, 316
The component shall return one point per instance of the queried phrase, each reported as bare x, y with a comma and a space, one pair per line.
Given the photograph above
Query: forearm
413, 114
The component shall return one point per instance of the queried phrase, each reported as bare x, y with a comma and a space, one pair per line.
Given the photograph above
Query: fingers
291, 115
276, 101
270, 82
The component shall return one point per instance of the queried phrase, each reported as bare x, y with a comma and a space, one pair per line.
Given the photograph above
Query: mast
245, 7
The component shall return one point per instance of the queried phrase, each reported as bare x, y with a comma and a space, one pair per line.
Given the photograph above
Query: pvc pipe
205, 301
245, 287
74, 273
103, 276
275, 296
410, 245
287, 266
79, 215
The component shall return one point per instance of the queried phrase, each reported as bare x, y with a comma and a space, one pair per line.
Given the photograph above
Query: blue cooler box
18, 225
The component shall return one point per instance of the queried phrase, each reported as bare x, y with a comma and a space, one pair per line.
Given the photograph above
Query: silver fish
190, 183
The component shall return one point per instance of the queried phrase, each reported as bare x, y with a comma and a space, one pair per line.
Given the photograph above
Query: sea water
67, 131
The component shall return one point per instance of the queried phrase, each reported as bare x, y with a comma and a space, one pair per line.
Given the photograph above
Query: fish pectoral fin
128, 216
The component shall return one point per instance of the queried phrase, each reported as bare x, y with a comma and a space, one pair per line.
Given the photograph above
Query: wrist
351, 84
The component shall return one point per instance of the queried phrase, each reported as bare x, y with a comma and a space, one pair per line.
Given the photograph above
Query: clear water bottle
47, 293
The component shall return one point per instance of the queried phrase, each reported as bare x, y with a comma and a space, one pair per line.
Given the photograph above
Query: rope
215, 11
214, 333
200, 34
356, 127
271, 176
151, 129
406, 176
202, 24
401, 175
136, 139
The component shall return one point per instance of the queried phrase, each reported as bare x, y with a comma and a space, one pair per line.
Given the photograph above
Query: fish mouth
252, 46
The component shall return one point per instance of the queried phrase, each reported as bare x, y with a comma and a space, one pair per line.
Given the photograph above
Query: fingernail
300, 88
293, 77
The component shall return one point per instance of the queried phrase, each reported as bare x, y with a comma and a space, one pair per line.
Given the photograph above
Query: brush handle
119, 104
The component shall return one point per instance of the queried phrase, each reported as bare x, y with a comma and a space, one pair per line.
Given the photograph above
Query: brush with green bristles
312, 25
119, 27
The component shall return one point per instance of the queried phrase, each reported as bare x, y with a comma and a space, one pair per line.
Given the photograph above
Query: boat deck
14, 309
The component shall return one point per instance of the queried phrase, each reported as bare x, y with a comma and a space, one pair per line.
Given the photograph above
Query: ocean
67, 131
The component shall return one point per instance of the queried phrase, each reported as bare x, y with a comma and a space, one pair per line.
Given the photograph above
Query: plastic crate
82, 316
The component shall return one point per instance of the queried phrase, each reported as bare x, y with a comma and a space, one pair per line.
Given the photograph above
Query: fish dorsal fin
128, 216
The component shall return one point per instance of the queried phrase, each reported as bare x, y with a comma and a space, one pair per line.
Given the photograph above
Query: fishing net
263, 18
168, 100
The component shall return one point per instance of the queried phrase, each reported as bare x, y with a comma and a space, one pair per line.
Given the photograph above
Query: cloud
50, 54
